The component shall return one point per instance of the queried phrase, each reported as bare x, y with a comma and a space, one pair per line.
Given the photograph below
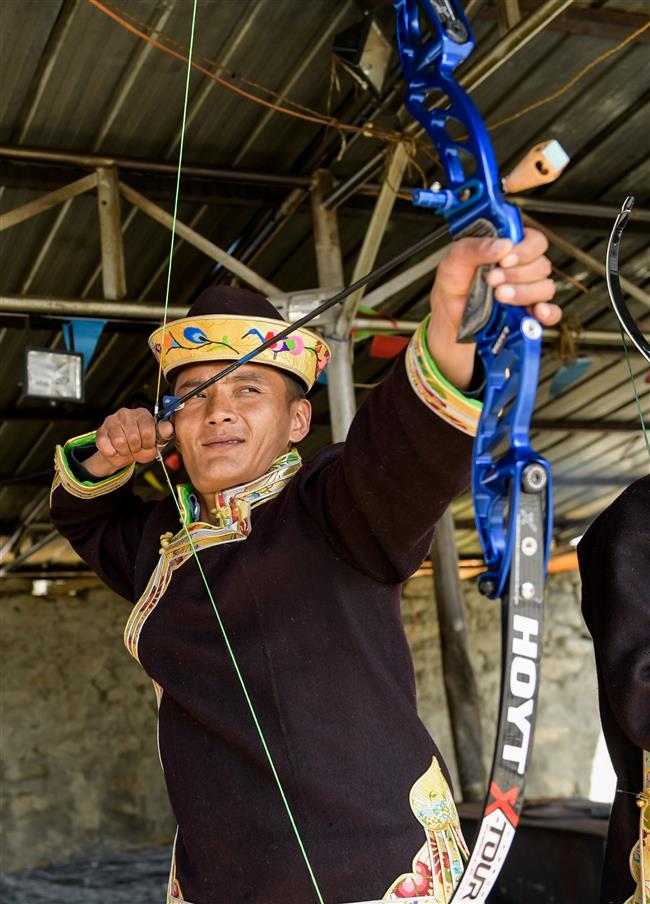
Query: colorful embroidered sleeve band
437, 393
84, 489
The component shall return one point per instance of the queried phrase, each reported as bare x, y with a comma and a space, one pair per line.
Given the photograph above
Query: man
614, 558
305, 565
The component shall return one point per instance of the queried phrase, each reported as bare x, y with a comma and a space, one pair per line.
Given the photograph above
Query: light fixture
365, 52
54, 375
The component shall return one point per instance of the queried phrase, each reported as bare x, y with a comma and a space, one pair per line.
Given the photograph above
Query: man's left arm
409, 448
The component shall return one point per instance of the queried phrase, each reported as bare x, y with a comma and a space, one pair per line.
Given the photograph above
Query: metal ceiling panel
75, 80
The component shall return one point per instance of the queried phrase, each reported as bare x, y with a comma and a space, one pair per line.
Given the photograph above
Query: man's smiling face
235, 429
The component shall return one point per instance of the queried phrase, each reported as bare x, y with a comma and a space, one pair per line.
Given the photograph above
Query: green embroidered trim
255, 492
185, 490
85, 489
434, 390
86, 439
433, 367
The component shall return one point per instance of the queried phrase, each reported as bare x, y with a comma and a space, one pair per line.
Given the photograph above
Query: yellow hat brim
224, 337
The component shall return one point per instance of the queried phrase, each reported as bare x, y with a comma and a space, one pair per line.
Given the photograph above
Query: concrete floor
130, 877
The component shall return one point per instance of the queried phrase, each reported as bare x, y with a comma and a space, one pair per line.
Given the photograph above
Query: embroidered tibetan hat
225, 323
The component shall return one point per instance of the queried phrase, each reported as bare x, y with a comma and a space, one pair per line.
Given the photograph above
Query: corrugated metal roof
73, 80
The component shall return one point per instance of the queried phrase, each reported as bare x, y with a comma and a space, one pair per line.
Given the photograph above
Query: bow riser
472, 180
507, 338
512, 375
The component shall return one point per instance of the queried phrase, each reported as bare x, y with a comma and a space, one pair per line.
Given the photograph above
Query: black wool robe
311, 602
614, 558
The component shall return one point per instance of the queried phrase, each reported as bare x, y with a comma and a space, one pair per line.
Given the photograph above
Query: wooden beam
250, 277
615, 24
508, 15
374, 235
45, 202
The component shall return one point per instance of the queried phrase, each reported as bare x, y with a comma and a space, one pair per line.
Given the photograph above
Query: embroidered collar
230, 504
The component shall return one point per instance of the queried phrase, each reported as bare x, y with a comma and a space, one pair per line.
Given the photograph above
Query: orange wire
573, 281
368, 131
572, 81
215, 64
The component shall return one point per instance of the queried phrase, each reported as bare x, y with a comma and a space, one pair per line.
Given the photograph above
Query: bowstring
176, 197
617, 231
224, 633
244, 687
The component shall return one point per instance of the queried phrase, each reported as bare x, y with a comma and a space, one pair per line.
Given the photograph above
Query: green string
178, 191
636, 394
224, 633
245, 690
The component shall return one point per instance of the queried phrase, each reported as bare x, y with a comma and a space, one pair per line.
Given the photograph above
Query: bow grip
480, 300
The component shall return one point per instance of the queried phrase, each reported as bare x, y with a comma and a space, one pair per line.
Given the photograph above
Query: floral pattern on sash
640, 854
439, 864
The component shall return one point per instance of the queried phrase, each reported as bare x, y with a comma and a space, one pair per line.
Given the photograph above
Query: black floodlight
54, 375
365, 51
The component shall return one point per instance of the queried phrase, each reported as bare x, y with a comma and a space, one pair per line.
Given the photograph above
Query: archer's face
235, 429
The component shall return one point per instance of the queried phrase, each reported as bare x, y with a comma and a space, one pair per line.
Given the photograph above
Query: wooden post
45, 202
110, 230
460, 683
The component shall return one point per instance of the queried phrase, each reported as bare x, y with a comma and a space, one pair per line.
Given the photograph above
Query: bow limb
621, 310
614, 284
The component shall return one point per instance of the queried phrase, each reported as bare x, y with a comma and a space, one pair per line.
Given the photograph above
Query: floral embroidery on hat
199, 339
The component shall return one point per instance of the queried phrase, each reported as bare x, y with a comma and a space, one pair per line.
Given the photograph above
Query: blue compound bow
511, 483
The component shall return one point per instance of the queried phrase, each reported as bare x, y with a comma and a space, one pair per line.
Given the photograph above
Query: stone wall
79, 762
568, 726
